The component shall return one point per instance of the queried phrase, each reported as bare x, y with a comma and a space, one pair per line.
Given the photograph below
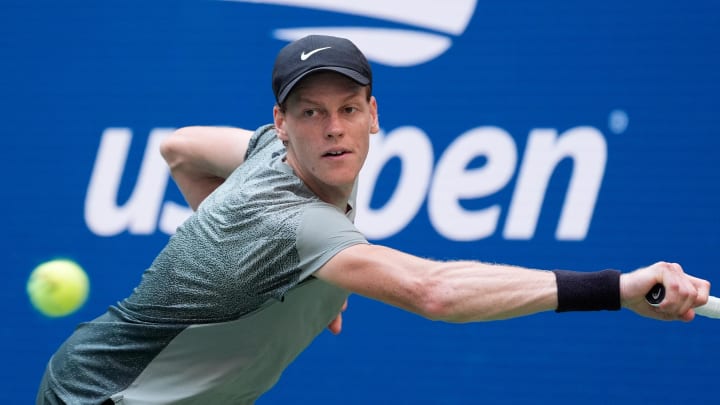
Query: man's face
326, 126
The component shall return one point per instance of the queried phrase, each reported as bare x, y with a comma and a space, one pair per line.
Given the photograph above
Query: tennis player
269, 257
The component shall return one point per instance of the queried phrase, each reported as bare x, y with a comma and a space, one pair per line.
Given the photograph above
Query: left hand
335, 326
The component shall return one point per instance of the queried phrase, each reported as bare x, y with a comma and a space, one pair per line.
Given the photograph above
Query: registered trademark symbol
618, 121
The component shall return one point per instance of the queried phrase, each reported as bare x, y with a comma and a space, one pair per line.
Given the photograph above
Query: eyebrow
356, 90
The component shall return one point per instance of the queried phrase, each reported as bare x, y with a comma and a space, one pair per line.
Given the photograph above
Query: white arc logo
431, 26
304, 56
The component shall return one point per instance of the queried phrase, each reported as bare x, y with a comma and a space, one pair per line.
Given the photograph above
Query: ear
279, 121
375, 121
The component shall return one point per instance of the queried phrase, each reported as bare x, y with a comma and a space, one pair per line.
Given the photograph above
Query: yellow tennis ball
58, 287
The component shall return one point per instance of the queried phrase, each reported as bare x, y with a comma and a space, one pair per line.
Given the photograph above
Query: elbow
173, 147
435, 301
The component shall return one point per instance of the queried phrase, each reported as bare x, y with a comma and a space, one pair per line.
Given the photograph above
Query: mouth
335, 153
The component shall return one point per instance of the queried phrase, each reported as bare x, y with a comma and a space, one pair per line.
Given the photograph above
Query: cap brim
352, 74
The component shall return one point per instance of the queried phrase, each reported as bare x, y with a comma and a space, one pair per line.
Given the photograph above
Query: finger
688, 316
687, 292
703, 290
335, 326
676, 287
689, 295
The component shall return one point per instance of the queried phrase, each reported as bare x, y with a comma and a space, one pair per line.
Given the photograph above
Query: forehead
325, 83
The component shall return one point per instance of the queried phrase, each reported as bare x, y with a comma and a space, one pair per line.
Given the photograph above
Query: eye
309, 113
350, 110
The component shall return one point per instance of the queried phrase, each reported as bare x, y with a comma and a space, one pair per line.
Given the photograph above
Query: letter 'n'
545, 149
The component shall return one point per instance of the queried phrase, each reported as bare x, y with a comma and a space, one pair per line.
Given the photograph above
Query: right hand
682, 292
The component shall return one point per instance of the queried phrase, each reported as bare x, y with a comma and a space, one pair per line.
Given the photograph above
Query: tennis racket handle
711, 310
656, 295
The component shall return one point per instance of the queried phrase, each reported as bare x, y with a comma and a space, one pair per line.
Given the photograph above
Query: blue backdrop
547, 134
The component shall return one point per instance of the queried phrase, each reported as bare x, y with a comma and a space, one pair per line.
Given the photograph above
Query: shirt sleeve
262, 137
323, 233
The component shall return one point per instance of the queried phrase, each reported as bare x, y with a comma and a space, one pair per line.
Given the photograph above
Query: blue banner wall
575, 135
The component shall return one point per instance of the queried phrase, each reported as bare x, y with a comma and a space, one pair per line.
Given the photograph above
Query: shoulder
322, 220
263, 137
323, 232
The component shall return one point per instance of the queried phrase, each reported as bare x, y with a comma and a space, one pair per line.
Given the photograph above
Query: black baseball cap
315, 53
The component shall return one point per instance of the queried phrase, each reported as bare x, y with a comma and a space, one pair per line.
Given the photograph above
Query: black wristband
578, 291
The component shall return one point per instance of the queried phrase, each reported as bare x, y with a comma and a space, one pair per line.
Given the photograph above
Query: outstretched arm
201, 158
466, 291
460, 291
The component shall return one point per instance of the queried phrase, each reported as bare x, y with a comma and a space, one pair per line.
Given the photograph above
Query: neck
334, 195
341, 202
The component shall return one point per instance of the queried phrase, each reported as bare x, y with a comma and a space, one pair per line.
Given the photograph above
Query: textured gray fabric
226, 270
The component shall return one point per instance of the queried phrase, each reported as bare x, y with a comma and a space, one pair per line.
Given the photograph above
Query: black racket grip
656, 294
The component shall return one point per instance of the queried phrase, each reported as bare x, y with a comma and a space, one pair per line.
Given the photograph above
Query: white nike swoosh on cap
304, 56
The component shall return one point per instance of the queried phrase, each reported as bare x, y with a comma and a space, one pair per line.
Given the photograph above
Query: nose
334, 126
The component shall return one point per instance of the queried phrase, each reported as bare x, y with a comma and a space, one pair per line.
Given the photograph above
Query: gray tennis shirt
228, 303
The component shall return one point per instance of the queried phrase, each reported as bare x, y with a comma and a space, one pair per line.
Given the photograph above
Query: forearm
473, 291
454, 291
201, 158
195, 188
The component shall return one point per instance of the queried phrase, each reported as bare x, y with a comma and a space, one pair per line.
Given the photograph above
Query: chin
341, 181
